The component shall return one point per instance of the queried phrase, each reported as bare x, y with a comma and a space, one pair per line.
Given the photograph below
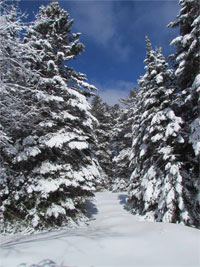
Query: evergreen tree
157, 189
123, 139
102, 112
187, 65
187, 55
55, 169
14, 79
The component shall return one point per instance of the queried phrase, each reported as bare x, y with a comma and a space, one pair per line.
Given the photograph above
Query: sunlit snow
114, 237
195, 136
159, 79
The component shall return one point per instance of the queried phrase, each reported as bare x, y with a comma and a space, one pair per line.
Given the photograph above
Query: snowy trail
113, 238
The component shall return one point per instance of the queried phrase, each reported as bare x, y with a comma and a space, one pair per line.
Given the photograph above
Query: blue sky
113, 33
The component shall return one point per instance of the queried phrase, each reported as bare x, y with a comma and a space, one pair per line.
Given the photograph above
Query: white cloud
97, 20
101, 20
112, 91
112, 96
150, 18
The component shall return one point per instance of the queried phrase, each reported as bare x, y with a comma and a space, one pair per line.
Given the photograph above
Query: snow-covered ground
113, 237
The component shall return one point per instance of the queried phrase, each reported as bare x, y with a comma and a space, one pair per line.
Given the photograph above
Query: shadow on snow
122, 200
91, 209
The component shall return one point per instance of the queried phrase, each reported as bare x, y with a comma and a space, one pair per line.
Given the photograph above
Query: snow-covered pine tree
122, 132
102, 112
55, 167
187, 56
157, 183
187, 65
14, 79
8, 37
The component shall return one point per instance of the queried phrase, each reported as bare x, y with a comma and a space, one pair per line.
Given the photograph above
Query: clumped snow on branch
48, 148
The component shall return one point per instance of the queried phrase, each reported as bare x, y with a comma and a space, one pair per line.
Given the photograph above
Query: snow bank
113, 237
